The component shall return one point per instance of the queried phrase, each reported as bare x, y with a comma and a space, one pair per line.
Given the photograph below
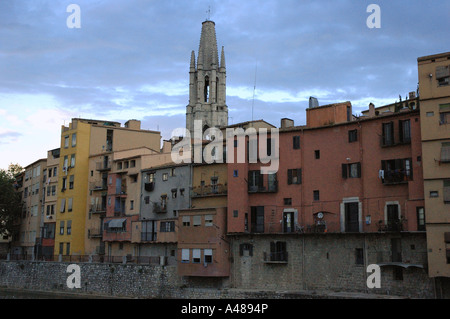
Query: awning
399, 264
116, 223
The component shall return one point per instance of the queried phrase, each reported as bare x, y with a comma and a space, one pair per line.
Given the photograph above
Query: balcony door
351, 217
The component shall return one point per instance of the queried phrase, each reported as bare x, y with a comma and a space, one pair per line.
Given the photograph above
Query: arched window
206, 89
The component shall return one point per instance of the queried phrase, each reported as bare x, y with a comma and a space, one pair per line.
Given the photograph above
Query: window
278, 251
74, 139
166, 227
294, 176
443, 75
257, 219
72, 160
131, 204
352, 170
186, 220
147, 200
71, 180
447, 191
317, 154
359, 256
255, 181
420, 219
388, 134
68, 249
316, 195
134, 178
181, 191
208, 256
245, 249
126, 164
61, 248
214, 184
434, 194
184, 255
69, 205
132, 163
66, 141
165, 176
352, 136
296, 142
63, 205
208, 220
429, 114
444, 113
235, 213
405, 131
235, 173
69, 227
196, 255
119, 165
197, 221
288, 201
445, 152
61, 227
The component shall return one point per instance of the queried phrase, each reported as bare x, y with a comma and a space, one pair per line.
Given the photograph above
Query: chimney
285, 122
371, 110
133, 124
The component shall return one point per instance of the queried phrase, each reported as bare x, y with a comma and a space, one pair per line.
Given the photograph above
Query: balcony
103, 166
97, 209
271, 188
391, 225
148, 236
159, 208
392, 177
149, 187
209, 190
98, 186
96, 232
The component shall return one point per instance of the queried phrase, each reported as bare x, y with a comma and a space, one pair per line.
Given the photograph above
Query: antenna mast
254, 89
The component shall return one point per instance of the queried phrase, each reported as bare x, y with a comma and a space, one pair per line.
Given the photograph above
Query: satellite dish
320, 215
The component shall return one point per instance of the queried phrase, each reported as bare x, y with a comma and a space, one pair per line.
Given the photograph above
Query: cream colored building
434, 90
27, 240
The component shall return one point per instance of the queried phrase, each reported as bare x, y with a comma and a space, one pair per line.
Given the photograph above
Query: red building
347, 175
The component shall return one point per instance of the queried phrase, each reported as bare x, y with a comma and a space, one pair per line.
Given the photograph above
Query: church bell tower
207, 83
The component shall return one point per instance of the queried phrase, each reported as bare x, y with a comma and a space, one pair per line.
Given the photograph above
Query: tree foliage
10, 202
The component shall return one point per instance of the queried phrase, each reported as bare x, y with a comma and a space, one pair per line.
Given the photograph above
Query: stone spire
207, 83
207, 52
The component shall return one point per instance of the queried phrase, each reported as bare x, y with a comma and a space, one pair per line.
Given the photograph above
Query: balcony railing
149, 187
148, 236
271, 188
391, 225
396, 176
209, 190
103, 166
159, 208
98, 186
98, 209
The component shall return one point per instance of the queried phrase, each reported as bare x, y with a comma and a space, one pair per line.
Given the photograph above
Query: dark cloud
291, 46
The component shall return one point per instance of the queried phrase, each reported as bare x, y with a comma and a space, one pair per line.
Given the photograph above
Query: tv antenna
208, 13
254, 89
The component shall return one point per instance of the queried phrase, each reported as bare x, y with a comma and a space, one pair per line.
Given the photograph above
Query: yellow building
434, 86
84, 142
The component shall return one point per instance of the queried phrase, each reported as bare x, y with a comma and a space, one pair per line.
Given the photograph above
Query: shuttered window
445, 152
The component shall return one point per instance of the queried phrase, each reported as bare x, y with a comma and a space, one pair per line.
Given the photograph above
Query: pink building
350, 175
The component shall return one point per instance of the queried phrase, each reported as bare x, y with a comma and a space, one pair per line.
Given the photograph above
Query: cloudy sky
130, 60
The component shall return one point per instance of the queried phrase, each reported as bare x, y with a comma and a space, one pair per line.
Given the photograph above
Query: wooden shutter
344, 171
289, 176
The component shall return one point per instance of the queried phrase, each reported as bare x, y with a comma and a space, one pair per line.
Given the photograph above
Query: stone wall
328, 262
317, 265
